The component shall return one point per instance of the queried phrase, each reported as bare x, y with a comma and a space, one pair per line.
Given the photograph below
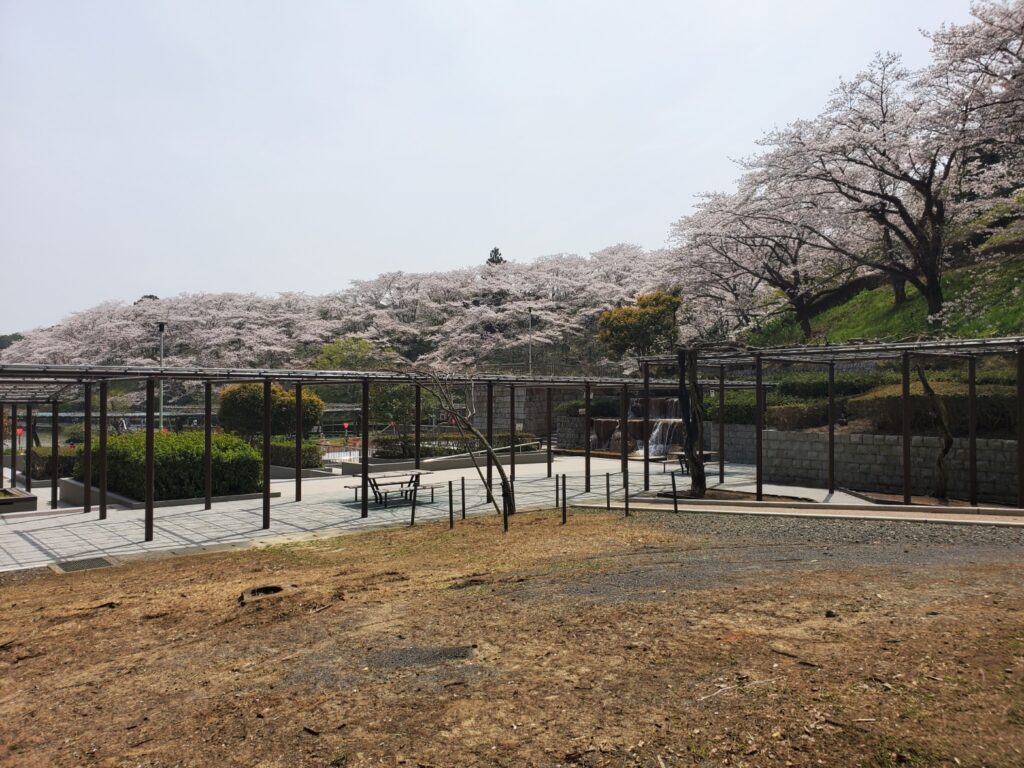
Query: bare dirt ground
662, 640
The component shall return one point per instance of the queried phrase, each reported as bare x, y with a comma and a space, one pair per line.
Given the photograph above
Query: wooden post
365, 448
267, 412
972, 430
646, 429
587, 397
298, 441
564, 500
451, 506
208, 444
150, 456
759, 424
87, 454
462, 482
831, 426
103, 450
55, 453
14, 446
905, 407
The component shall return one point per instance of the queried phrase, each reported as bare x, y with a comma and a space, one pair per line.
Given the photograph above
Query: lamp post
161, 327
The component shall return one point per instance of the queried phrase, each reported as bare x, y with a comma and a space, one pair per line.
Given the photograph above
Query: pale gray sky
236, 145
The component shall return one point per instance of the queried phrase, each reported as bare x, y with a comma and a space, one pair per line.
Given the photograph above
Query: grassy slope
983, 300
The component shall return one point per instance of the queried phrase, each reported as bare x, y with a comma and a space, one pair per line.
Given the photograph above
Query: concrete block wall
531, 407
872, 462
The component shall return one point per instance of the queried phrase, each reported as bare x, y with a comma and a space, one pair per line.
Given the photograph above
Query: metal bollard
451, 507
625, 486
564, 504
608, 491
463, 480
675, 499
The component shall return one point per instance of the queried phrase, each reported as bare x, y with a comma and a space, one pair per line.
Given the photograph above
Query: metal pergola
39, 385
724, 358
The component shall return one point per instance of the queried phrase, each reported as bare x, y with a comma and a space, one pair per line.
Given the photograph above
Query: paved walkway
35, 539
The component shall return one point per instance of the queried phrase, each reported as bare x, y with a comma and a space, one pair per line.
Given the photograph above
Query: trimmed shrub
883, 408
815, 384
42, 462
282, 454
797, 415
740, 407
237, 468
241, 410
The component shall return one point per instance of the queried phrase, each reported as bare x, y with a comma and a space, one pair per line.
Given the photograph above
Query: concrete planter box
71, 492
439, 463
17, 500
288, 473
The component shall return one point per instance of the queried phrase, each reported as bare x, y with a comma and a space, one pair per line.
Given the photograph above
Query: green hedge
797, 415
282, 454
178, 460
42, 462
883, 408
815, 384
443, 444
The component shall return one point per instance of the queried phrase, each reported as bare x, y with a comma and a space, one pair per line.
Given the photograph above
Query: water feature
664, 428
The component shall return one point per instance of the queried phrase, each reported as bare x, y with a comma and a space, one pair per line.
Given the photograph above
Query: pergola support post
208, 444
417, 429
54, 454
512, 432
267, 412
14, 445
298, 441
972, 431
1020, 427
364, 448
721, 424
587, 397
87, 453
624, 433
548, 426
759, 425
103, 450
831, 427
150, 454
28, 447
905, 407
647, 426
490, 440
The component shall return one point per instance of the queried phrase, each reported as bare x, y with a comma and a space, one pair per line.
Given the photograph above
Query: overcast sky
162, 147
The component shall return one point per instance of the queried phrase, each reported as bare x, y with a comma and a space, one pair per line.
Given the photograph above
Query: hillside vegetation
981, 300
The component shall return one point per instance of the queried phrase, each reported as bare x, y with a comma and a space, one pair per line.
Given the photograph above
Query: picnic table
709, 457
405, 483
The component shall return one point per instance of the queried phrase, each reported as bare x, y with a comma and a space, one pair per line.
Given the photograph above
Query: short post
462, 482
625, 486
557, 491
905, 406
565, 506
505, 501
55, 453
412, 512
972, 430
608, 491
150, 456
87, 454
451, 507
675, 499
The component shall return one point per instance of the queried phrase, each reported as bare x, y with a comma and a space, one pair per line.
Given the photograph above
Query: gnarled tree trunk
939, 408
